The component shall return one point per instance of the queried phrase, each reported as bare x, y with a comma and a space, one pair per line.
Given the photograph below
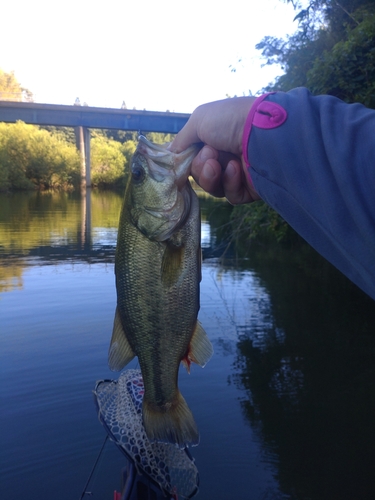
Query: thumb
187, 136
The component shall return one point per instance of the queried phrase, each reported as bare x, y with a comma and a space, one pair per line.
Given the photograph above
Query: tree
107, 161
34, 158
347, 70
11, 90
332, 52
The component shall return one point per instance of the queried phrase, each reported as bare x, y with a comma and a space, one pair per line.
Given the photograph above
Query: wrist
265, 115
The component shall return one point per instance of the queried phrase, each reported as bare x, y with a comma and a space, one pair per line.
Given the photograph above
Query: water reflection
294, 340
85, 231
56, 226
11, 277
309, 376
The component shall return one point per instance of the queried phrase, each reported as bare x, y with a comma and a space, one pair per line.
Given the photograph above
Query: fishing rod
85, 492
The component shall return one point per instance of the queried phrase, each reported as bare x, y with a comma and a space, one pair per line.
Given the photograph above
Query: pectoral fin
200, 348
120, 353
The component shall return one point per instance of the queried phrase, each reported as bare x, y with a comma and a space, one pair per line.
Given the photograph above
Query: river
285, 408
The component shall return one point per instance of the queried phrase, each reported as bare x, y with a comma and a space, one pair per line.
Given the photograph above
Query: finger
224, 158
236, 188
233, 185
206, 153
186, 137
209, 178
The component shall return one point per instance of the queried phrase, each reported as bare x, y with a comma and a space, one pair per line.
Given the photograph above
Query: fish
158, 274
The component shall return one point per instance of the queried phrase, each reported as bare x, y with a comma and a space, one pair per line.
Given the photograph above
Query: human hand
219, 167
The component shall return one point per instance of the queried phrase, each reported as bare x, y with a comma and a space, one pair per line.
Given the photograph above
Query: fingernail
207, 171
231, 170
206, 154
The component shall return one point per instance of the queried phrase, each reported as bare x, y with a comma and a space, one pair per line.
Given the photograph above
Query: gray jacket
312, 159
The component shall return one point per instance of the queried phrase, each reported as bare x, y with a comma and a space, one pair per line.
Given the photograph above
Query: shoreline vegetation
46, 158
43, 158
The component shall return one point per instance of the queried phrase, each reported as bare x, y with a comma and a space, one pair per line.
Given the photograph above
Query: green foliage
10, 88
128, 149
159, 138
9, 83
107, 161
121, 135
111, 158
125, 136
332, 51
348, 70
259, 221
66, 134
294, 56
31, 157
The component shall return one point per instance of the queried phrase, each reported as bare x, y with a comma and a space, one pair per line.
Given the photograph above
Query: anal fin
120, 353
200, 348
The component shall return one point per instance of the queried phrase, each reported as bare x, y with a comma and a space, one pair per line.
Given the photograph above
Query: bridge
82, 118
91, 117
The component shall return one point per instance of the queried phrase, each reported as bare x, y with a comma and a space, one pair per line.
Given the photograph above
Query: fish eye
138, 174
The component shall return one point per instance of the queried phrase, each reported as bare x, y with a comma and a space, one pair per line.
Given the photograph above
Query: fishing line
93, 469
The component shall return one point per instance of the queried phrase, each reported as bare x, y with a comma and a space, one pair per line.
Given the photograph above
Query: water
285, 407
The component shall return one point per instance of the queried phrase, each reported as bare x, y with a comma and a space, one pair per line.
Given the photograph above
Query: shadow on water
309, 378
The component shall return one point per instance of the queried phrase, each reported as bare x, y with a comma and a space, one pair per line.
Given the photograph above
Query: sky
156, 55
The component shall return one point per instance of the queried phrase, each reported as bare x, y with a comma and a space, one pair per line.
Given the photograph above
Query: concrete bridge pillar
83, 145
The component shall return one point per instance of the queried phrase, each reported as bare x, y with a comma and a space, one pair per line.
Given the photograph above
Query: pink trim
269, 115
263, 114
248, 125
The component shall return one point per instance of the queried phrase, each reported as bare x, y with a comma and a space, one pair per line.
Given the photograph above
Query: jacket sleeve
312, 159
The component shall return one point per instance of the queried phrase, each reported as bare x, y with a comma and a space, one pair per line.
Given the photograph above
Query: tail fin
174, 424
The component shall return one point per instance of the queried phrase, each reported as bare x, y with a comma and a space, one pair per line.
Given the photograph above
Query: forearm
317, 169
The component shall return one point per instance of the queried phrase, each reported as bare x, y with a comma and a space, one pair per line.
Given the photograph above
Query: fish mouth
175, 207
163, 162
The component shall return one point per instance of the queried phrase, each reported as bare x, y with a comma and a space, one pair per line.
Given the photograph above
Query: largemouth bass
158, 270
